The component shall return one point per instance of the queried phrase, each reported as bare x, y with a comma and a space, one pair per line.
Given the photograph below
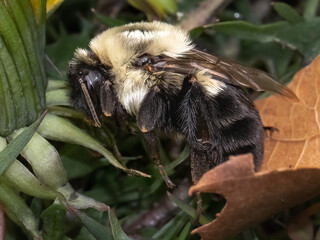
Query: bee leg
152, 110
152, 144
150, 116
108, 99
199, 208
196, 126
111, 107
199, 165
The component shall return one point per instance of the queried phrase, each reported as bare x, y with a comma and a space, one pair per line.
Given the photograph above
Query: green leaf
19, 176
8, 100
117, 231
246, 30
33, 52
15, 45
287, 12
310, 9
65, 112
99, 231
44, 160
307, 42
187, 209
78, 201
168, 6
54, 222
57, 97
20, 47
13, 149
196, 32
31, 19
56, 84
12, 101
39, 9
18, 211
84, 234
59, 129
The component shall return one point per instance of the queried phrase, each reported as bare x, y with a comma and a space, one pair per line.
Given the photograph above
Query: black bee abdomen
217, 126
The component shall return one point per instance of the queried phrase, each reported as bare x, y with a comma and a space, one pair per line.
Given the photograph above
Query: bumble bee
152, 71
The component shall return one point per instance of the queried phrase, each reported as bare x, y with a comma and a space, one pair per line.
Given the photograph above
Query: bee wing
246, 76
224, 70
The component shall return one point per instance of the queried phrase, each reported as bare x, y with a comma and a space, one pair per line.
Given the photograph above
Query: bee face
85, 80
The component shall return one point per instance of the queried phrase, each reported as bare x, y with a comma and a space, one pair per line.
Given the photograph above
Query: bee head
118, 57
85, 77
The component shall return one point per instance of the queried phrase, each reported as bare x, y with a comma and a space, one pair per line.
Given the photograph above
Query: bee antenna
89, 102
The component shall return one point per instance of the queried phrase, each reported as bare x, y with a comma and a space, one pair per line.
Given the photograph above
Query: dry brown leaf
297, 144
290, 173
253, 197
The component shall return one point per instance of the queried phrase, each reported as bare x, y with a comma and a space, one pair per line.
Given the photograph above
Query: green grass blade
187, 209
99, 231
185, 232
171, 228
180, 159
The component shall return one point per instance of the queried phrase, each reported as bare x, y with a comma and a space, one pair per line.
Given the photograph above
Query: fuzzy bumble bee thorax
115, 45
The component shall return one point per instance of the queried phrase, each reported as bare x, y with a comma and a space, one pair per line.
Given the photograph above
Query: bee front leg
108, 99
151, 115
110, 105
152, 144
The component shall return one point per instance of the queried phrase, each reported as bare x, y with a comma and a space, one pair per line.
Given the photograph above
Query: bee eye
143, 60
80, 73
